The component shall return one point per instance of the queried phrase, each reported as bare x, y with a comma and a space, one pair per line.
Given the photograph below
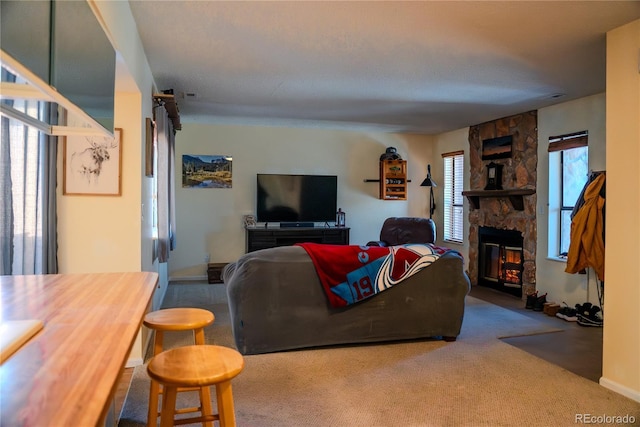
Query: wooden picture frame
92, 165
150, 148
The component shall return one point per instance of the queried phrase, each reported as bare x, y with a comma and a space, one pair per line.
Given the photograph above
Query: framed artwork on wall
206, 171
92, 165
497, 148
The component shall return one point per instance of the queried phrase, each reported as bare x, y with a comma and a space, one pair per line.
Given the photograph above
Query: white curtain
6, 213
28, 243
166, 189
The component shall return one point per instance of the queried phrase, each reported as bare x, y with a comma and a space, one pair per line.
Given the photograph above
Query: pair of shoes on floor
589, 315
540, 302
535, 302
567, 313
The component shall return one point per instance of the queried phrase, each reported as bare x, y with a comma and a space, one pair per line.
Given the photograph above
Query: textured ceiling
420, 67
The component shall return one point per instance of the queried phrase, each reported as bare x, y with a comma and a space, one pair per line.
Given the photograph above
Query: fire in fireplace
500, 259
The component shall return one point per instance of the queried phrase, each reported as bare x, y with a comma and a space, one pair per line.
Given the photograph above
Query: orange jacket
587, 243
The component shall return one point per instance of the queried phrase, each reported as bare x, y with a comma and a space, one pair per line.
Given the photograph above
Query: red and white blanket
351, 273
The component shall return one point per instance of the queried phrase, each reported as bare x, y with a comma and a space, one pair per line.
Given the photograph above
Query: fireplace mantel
515, 196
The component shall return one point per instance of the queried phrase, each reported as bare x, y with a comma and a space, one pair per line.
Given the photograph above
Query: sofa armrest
228, 271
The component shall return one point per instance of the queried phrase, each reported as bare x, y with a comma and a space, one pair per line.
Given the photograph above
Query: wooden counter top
68, 372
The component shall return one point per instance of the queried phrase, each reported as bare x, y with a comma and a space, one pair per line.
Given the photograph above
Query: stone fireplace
511, 209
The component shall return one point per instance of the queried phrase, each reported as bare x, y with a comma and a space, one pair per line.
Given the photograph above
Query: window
28, 187
568, 174
453, 200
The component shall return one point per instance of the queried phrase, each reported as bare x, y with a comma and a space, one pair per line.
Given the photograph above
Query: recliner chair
403, 230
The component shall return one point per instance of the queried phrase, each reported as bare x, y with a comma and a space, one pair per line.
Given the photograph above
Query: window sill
455, 242
557, 259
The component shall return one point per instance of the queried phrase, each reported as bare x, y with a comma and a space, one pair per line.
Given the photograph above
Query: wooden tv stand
263, 238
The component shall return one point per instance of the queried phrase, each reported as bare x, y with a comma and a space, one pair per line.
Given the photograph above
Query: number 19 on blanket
363, 288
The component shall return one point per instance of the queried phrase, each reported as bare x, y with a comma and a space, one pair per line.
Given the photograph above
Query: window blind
453, 199
571, 140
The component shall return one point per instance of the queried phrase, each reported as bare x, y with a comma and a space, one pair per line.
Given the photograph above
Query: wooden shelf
170, 104
377, 180
393, 180
516, 197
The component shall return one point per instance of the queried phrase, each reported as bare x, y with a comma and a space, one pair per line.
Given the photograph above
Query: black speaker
296, 224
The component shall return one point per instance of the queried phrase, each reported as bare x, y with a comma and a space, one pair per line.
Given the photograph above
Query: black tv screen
296, 198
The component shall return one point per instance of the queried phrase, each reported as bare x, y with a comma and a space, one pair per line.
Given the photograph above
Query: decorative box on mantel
515, 196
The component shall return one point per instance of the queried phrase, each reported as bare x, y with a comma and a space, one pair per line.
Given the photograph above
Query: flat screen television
497, 148
296, 198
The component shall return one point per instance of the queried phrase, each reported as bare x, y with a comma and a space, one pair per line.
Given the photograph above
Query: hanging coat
587, 243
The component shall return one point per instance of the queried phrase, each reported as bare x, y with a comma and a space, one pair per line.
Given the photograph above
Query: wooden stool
197, 366
175, 319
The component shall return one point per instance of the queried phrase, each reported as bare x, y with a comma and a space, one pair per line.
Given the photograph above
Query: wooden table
67, 374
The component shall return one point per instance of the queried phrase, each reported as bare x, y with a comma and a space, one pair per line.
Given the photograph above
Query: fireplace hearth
500, 259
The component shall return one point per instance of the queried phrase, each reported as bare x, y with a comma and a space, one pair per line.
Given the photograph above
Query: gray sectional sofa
277, 303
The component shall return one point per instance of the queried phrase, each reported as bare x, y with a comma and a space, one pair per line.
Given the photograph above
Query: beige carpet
476, 381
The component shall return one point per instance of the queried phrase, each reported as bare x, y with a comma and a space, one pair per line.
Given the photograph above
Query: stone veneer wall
519, 172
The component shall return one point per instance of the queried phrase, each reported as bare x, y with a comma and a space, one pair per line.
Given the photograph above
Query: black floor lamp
428, 182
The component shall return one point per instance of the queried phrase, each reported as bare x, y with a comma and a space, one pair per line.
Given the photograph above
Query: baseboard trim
133, 362
187, 278
620, 389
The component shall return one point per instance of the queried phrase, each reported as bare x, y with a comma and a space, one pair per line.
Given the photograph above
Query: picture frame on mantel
92, 165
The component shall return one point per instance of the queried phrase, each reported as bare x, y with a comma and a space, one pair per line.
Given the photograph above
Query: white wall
621, 335
209, 221
92, 230
569, 117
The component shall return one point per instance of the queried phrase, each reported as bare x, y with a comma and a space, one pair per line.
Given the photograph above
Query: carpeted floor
476, 381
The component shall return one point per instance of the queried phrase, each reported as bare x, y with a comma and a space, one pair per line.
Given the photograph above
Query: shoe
531, 300
585, 321
584, 309
539, 304
590, 316
567, 313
